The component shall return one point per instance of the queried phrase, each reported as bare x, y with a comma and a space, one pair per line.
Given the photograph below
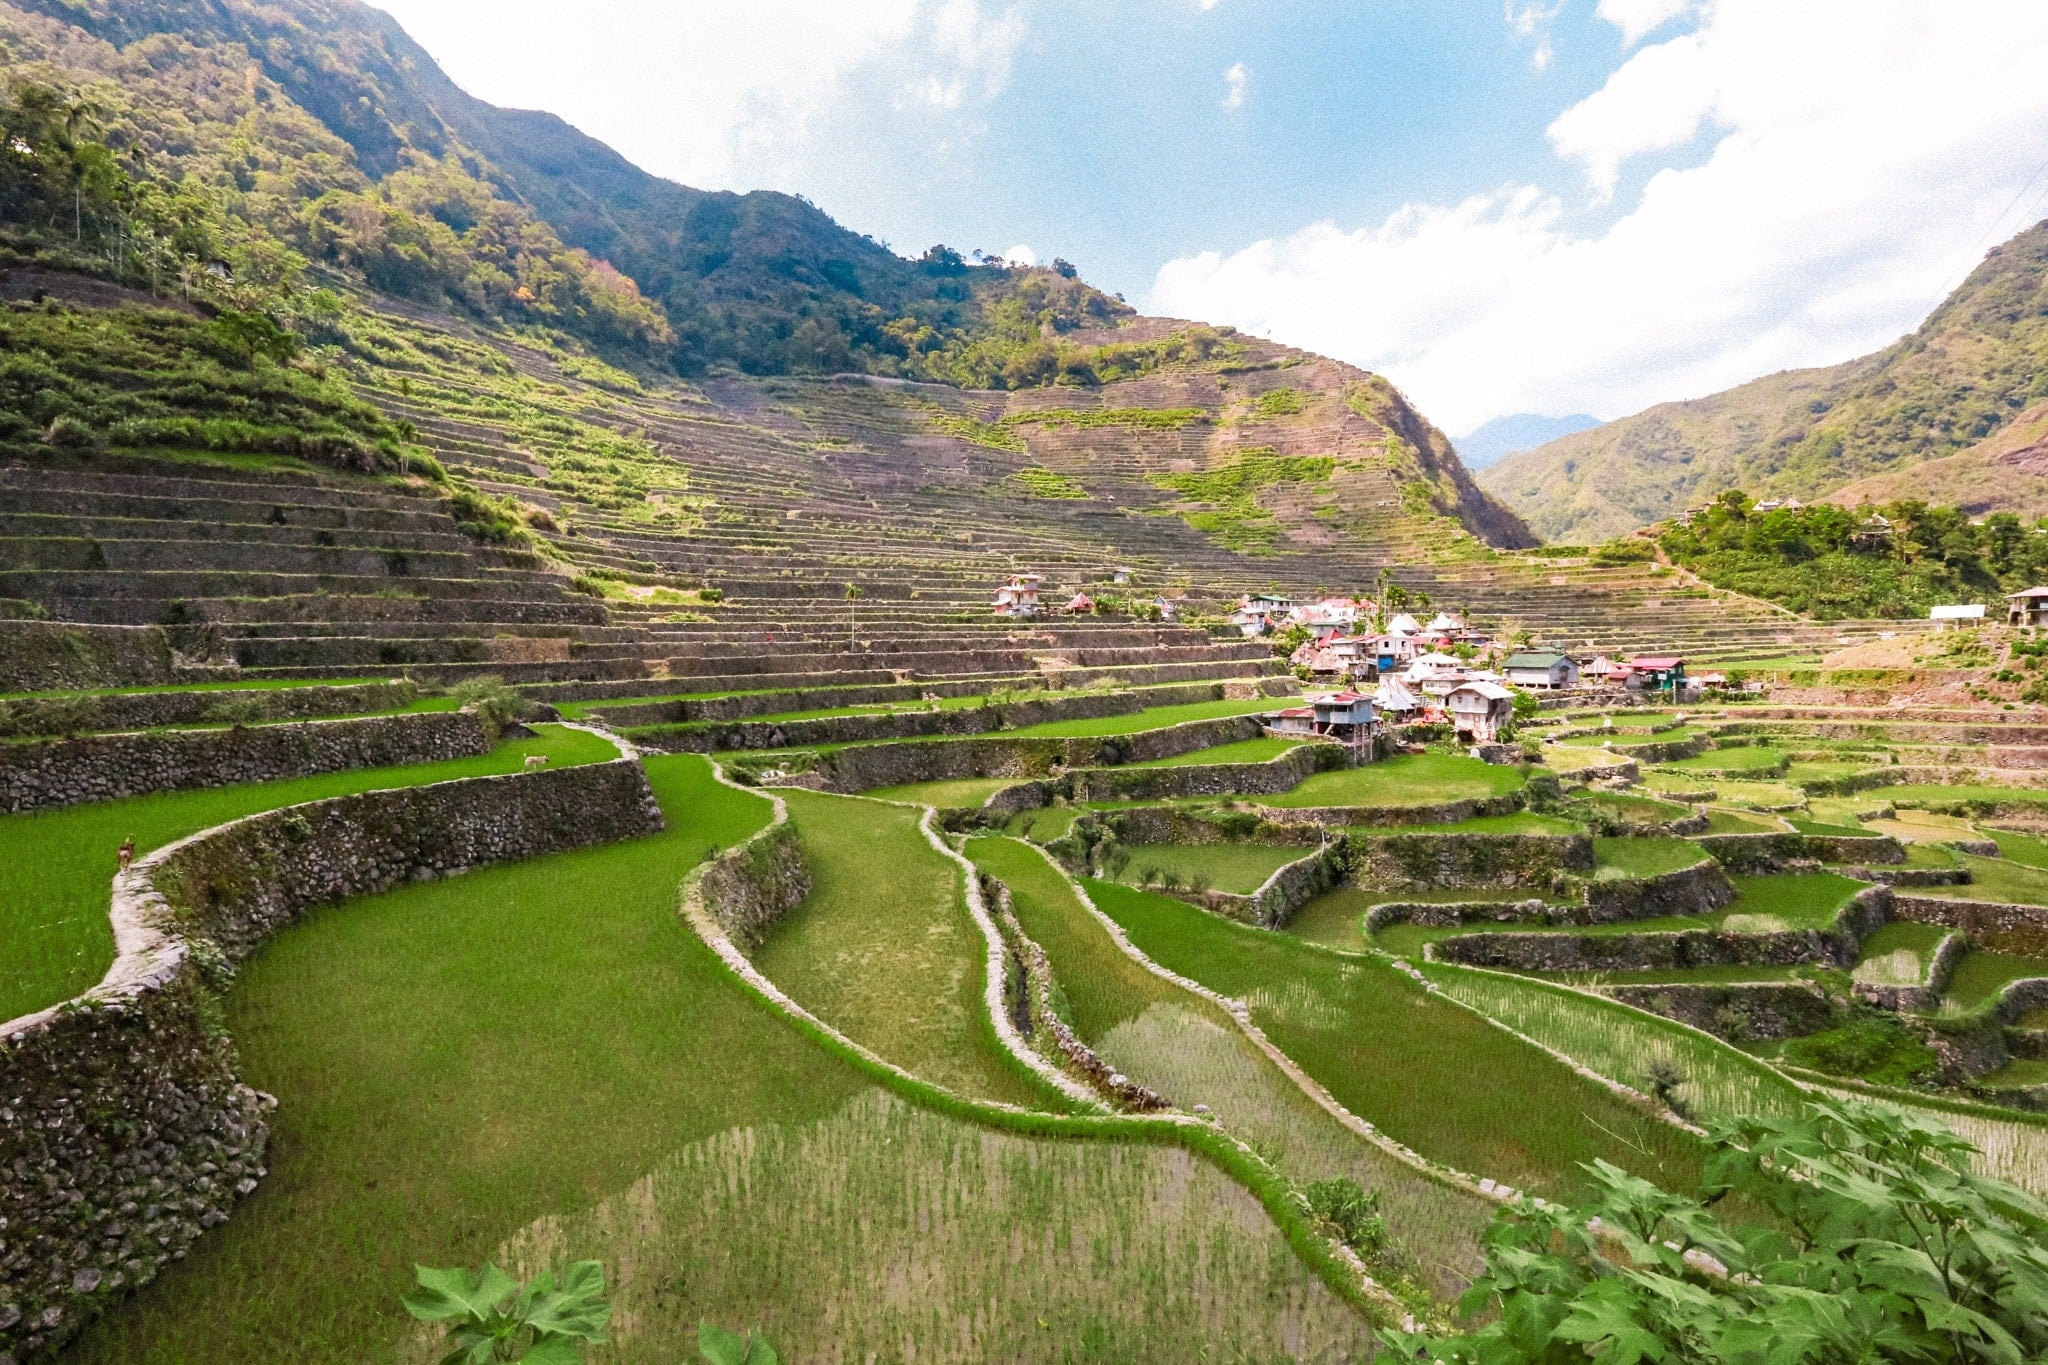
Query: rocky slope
1971, 368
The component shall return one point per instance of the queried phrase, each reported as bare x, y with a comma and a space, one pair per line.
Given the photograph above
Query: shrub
492, 699
1881, 1245
1876, 1047
492, 1317
1351, 1212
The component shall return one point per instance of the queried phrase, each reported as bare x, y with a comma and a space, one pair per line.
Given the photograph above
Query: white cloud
1637, 19
1208, 5
1841, 198
736, 92
1233, 86
975, 50
1020, 254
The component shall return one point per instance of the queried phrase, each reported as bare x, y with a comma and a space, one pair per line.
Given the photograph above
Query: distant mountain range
1516, 432
1978, 364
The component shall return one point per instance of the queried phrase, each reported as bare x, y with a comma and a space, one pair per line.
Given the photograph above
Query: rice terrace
592, 770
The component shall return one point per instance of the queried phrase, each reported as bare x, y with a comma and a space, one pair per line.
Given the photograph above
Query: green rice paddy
947, 792
1520, 822
1404, 780
1643, 857
1995, 879
1405, 1060
55, 938
884, 950
1900, 953
1262, 750
1154, 718
1744, 759
1239, 868
1980, 976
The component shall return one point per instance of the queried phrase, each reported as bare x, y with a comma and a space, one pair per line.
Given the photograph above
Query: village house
1657, 673
1169, 609
2029, 608
1540, 668
1478, 711
1344, 716
1019, 597
1396, 701
1080, 604
1327, 617
1255, 614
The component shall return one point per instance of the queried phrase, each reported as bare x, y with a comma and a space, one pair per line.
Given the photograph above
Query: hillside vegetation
1975, 365
1826, 561
290, 140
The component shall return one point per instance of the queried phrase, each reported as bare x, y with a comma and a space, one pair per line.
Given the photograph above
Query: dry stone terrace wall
123, 1129
749, 887
62, 715
1175, 825
1697, 890
1926, 995
1281, 774
1274, 903
1662, 951
1745, 854
1443, 813
40, 656
718, 736
61, 772
1426, 861
1739, 1011
865, 767
1992, 925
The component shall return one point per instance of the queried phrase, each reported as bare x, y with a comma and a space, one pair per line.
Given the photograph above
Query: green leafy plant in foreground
492, 1317
720, 1347
1880, 1245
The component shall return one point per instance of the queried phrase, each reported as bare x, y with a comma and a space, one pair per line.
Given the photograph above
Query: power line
1976, 252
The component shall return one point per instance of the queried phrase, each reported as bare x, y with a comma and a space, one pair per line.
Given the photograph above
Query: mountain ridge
1978, 360
1491, 442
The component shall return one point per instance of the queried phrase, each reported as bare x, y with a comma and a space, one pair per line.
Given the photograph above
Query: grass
456, 1059
261, 685
1405, 780
1641, 810
1407, 1061
1900, 953
1623, 740
1242, 868
2021, 1071
1933, 794
884, 950
1335, 919
950, 791
1625, 1044
1154, 718
55, 938
1185, 1048
2026, 850
885, 1228
1980, 976
1729, 822
1746, 758
1995, 879
1646, 857
1262, 750
1044, 824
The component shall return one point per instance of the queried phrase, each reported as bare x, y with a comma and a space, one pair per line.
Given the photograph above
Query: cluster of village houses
1401, 672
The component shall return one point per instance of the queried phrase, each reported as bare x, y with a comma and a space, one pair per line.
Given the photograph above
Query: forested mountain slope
1976, 363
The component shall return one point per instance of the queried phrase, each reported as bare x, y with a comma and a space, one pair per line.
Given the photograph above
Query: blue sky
1505, 205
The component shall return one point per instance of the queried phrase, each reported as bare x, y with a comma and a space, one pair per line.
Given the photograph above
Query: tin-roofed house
2029, 608
1478, 711
1544, 668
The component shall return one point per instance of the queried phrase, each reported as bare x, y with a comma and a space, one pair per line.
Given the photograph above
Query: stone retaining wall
867, 766
1429, 861
42, 656
142, 710
1749, 854
1179, 825
1444, 813
1996, 926
748, 888
1697, 890
1281, 774
1928, 993
1835, 946
61, 772
1276, 901
1736, 1011
124, 1102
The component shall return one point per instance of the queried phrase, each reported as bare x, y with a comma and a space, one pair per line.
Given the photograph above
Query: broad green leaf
552, 1350
455, 1293
719, 1346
